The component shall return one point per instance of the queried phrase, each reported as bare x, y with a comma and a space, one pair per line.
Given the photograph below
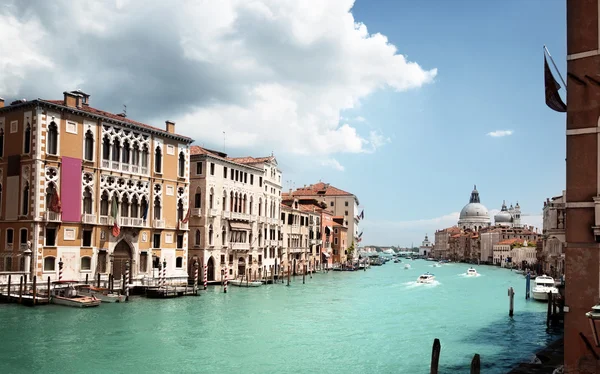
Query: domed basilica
475, 216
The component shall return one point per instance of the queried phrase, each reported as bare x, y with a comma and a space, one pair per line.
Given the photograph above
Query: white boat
104, 294
471, 272
437, 265
543, 285
68, 296
244, 283
407, 266
426, 278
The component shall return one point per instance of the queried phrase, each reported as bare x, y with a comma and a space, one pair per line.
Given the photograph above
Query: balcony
183, 225
51, 216
159, 223
196, 212
23, 246
272, 221
9, 246
105, 164
131, 222
225, 215
106, 220
240, 246
125, 167
240, 216
88, 218
115, 165
135, 169
213, 212
262, 219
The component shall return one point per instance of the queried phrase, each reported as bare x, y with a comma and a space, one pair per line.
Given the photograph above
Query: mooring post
476, 364
196, 277
8, 290
511, 296
206, 276
48, 289
225, 280
126, 281
289, 271
549, 309
98, 283
34, 288
435, 356
20, 289
304, 275
527, 285
86, 278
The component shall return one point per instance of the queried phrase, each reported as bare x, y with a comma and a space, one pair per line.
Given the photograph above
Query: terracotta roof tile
251, 160
320, 189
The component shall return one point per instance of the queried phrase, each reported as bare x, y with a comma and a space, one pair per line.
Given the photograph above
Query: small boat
104, 294
406, 266
244, 283
543, 285
471, 272
520, 271
437, 265
426, 278
68, 296
397, 261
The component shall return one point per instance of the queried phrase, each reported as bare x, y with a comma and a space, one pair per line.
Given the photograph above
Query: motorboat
543, 285
471, 272
437, 265
244, 283
104, 294
426, 278
397, 261
406, 266
68, 296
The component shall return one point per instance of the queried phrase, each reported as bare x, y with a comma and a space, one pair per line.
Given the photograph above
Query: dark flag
553, 99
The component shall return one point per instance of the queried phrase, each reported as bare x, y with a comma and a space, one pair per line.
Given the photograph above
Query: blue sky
489, 59
333, 102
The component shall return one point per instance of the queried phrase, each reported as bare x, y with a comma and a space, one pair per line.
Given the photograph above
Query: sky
407, 104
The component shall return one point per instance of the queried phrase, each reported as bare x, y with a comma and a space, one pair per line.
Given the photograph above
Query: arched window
25, 201
158, 160
250, 207
145, 156
125, 156
180, 210
116, 150
52, 139
144, 208
198, 200
210, 235
156, 208
125, 206
1, 142
231, 202
260, 206
224, 200
197, 242
49, 263
87, 201
106, 148
181, 165
86, 263
135, 155
89, 146
27, 139
104, 204
244, 204
211, 199
134, 209
223, 236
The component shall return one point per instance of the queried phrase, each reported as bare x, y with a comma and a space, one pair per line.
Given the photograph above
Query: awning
240, 225
326, 254
329, 228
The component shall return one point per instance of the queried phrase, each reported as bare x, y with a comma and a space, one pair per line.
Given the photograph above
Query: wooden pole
20, 289
98, 283
304, 275
476, 364
86, 278
511, 296
289, 271
435, 356
48, 289
527, 285
549, 309
272, 273
34, 288
8, 290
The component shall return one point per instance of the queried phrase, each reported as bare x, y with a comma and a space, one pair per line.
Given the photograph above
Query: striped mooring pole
60, 269
195, 276
164, 273
205, 276
225, 280
126, 285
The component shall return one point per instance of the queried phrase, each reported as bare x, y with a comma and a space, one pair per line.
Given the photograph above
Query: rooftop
319, 189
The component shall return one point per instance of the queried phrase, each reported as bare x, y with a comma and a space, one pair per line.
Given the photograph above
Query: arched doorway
241, 266
121, 254
210, 270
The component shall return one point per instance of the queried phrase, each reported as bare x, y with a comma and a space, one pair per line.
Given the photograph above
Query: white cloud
332, 162
500, 133
274, 75
360, 119
404, 233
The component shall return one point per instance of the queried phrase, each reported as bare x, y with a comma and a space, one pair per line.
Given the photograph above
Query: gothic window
210, 235
260, 206
180, 210
116, 150
125, 206
25, 201
145, 156
144, 208
181, 165
106, 148
87, 201
1, 142
198, 200
89, 146
27, 139
250, 207
134, 207
197, 237
158, 160
211, 199
224, 200
50, 191
135, 155
156, 208
52, 139
104, 204
223, 236
125, 156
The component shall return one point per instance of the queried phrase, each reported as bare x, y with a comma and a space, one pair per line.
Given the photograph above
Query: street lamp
594, 317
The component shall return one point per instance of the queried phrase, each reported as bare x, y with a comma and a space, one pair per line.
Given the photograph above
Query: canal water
378, 321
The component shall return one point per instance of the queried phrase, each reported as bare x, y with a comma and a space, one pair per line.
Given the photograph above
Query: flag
360, 235
116, 230
187, 216
553, 99
55, 204
362, 214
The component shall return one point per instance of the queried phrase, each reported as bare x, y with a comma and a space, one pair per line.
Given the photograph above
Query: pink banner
70, 189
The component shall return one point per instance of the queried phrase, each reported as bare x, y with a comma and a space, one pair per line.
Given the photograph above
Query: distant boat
243, 283
543, 285
471, 272
68, 296
104, 294
426, 278
406, 266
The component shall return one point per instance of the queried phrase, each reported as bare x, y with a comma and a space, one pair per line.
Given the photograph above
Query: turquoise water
378, 321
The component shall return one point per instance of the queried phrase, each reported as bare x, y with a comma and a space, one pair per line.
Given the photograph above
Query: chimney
170, 127
72, 100
1, 102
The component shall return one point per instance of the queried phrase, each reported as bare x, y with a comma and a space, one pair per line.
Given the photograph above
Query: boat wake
465, 275
415, 284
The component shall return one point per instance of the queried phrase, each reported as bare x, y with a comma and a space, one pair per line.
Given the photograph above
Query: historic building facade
426, 248
233, 226
552, 254
508, 217
90, 191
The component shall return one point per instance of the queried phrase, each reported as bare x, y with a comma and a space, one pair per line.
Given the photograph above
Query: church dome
474, 214
503, 216
474, 210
